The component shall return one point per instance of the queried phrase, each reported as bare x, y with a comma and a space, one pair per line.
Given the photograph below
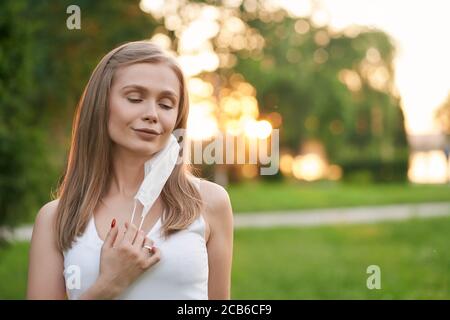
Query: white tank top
181, 273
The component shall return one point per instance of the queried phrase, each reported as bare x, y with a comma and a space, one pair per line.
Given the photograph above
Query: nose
150, 113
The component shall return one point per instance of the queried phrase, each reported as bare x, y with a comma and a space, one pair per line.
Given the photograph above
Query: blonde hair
89, 163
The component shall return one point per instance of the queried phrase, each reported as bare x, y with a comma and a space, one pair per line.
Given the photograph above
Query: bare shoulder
215, 196
48, 212
43, 239
218, 210
46, 261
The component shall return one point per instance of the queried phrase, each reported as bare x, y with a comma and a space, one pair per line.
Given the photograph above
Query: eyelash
134, 100
140, 100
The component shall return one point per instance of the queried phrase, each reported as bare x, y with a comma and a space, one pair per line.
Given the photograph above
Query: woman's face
143, 97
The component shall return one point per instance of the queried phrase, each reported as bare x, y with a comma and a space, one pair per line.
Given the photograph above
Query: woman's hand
122, 261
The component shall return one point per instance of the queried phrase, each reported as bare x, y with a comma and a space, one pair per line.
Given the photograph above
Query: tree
333, 87
21, 143
44, 67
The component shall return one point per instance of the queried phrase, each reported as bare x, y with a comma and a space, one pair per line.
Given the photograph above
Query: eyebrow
168, 93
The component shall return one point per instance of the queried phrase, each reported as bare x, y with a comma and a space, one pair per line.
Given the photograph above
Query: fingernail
153, 249
113, 223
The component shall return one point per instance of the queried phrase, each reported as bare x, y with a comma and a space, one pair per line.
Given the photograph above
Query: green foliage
365, 124
23, 166
44, 67
369, 171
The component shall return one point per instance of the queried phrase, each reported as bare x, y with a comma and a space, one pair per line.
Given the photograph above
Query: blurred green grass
331, 262
315, 263
265, 196
13, 270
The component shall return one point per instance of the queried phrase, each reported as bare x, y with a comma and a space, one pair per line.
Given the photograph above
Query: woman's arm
46, 262
220, 243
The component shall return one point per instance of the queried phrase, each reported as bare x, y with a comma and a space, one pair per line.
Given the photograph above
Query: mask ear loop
133, 214
134, 211
142, 219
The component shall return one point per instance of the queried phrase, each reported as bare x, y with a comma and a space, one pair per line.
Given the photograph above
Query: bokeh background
360, 94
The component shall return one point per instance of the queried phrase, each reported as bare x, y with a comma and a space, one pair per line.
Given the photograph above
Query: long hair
89, 164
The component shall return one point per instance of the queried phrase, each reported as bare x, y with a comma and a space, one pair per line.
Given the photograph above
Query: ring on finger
150, 248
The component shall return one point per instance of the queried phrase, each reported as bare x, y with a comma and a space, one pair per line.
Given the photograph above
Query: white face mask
156, 172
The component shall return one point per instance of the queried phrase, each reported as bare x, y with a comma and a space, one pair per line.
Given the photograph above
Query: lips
146, 134
146, 130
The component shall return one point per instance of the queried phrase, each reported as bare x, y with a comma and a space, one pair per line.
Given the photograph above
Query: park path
312, 217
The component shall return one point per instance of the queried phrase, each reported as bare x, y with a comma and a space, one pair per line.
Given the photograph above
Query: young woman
85, 245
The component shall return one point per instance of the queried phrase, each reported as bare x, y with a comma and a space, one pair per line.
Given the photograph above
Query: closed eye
133, 100
165, 106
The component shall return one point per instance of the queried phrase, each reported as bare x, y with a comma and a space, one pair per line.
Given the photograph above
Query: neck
127, 173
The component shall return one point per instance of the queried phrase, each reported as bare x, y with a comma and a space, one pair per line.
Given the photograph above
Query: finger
147, 243
139, 240
126, 225
154, 258
130, 233
112, 235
